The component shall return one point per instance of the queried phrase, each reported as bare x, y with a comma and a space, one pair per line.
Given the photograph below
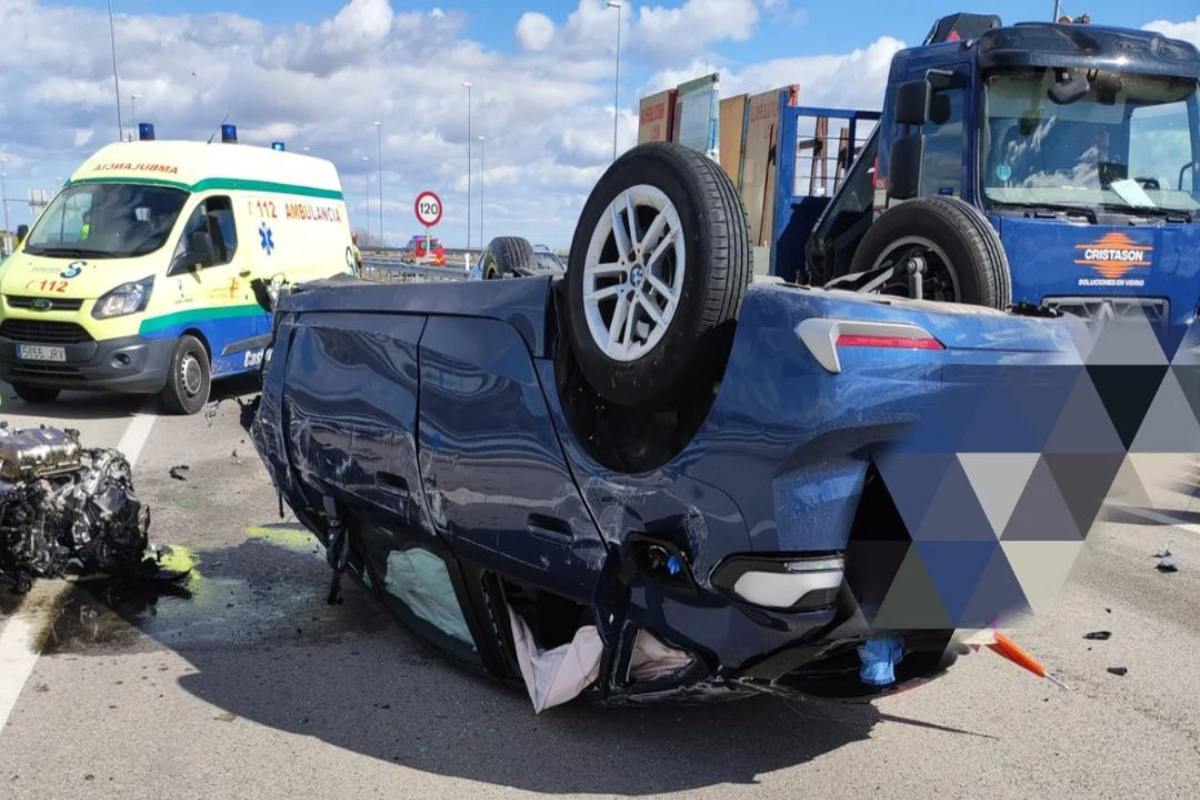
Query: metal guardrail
390, 269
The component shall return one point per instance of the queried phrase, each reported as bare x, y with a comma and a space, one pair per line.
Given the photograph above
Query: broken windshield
106, 220
1093, 140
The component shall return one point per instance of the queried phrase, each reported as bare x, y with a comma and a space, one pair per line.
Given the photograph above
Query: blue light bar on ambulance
278, 146
145, 132
229, 134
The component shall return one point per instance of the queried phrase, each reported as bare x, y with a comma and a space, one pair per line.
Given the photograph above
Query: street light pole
379, 130
617, 81
367, 192
133, 98
112, 36
468, 85
4, 191
482, 175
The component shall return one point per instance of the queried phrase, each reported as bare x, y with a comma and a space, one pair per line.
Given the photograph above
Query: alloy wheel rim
633, 273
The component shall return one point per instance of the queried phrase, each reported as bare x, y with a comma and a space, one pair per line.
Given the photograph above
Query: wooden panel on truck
732, 119
761, 148
656, 117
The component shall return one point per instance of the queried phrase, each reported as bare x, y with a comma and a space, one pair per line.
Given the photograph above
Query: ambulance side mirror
22, 232
198, 253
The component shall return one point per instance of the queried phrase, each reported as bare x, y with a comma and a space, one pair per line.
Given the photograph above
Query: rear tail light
824, 337
902, 342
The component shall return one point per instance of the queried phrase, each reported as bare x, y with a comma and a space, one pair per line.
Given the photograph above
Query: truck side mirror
904, 171
911, 104
22, 232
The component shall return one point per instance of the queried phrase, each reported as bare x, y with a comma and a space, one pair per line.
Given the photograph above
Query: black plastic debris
1100, 636
65, 509
1164, 553
1168, 564
178, 470
1120, 672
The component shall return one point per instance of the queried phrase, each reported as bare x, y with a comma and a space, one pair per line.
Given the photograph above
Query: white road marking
19, 649
1160, 517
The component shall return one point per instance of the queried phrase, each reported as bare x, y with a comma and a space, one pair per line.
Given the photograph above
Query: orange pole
1009, 649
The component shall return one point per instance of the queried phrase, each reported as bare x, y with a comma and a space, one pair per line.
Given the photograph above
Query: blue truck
1078, 144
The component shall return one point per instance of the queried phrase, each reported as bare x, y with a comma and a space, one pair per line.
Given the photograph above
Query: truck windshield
106, 220
1114, 141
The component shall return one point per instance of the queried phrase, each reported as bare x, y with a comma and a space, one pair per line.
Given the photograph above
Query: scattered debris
178, 470
1118, 671
1164, 553
64, 509
1108, 611
1100, 636
1168, 564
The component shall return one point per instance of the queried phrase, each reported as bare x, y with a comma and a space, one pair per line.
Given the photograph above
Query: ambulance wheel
659, 264
35, 394
189, 377
961, 253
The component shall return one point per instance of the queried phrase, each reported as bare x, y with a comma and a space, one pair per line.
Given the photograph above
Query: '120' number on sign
429, 209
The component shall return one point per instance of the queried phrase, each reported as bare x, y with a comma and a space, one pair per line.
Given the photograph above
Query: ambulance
141, 275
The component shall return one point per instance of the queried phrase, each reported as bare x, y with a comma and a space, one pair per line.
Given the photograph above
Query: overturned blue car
657, 477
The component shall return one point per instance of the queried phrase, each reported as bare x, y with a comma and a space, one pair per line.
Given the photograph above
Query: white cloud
662, 33
534, 30
851, 80
1188, 30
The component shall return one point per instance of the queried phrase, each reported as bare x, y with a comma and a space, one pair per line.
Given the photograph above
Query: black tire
507, 257
31, 393
694, 345
189, 377
976, 269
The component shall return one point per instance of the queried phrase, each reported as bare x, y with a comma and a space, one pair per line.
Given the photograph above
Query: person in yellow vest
85, 230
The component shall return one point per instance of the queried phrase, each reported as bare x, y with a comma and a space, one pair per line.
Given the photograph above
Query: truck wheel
188, 379
35, 394
964, 259
507, 257
659, 264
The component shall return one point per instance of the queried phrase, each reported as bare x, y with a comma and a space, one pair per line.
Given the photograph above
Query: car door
495, 479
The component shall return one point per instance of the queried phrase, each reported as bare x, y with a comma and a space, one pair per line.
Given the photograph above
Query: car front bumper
132, 364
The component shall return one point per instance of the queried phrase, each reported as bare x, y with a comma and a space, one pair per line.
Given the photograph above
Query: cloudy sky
316, 74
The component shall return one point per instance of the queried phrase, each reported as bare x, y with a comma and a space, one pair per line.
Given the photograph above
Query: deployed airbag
553, 677
419, 579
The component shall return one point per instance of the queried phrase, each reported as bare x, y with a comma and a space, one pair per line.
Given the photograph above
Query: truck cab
1079, 143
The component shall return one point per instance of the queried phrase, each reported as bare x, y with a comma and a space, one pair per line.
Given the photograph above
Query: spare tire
659, 264
507, 257
964, 259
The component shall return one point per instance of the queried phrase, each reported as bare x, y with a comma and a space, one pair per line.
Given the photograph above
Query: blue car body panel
436, 408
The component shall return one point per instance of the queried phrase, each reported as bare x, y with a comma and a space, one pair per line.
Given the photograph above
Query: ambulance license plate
41, 352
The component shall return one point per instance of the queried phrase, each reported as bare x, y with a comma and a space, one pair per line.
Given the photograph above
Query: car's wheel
35, 394
189, 377
507, 257
659, 264
962, 255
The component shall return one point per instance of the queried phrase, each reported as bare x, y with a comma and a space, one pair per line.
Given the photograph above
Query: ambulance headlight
128, 298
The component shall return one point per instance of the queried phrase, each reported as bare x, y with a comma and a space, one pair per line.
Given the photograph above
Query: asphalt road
246, 684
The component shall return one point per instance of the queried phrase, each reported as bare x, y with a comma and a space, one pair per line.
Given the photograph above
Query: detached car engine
65, 509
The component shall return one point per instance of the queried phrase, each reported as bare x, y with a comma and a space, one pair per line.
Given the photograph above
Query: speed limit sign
428, 208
